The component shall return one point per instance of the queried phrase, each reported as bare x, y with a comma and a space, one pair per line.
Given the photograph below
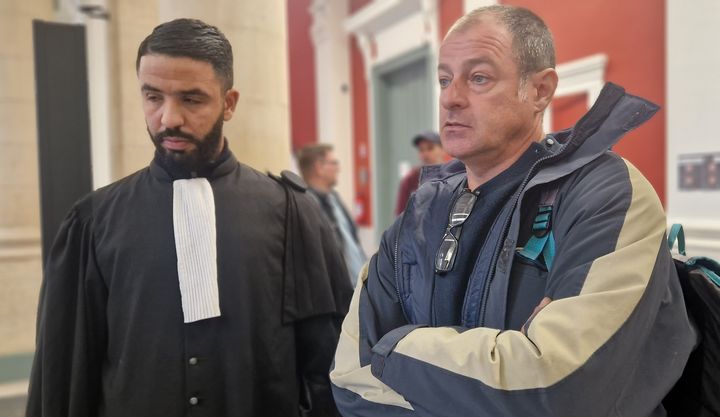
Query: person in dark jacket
531, 277
197, 285
320, 168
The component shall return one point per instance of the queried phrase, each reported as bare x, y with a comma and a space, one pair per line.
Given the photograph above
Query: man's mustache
177, 134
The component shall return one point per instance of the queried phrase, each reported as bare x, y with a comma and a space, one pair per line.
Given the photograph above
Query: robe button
193, 400
193, 361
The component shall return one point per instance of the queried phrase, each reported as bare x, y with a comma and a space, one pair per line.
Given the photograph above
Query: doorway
403, 94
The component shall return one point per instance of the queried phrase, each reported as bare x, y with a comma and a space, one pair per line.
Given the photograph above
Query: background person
430, 152
320, 169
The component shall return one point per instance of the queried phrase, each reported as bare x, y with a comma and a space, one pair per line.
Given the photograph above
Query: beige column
259, 130
20, 266
130, 22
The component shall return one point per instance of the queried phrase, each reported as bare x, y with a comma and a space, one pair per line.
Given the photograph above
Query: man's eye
444, 82
153, 98
191, 100
479, 79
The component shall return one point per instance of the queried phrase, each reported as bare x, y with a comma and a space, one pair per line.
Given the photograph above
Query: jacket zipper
397, 267
505, 229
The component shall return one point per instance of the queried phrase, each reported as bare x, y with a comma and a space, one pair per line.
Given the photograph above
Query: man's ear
544, 84
231, 99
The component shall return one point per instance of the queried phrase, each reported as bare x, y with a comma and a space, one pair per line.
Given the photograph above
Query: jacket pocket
408, 279
528, 281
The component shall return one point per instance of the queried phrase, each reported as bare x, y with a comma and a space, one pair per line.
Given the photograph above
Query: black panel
63, 122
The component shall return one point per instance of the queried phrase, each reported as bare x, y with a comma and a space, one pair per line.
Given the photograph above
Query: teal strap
537, 245
534, 247
712, 275
542, 240
677, 233
549, 250
709, 267
542, 221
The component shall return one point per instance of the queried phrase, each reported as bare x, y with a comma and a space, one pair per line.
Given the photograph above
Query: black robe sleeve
317, 297
71, 327
316, 280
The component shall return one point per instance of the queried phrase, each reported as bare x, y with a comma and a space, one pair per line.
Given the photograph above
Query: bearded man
185, 288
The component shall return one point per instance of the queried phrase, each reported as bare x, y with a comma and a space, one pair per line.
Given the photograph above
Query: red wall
361, 125
356, 5
568, 110
301, 71
449, 11
361, 137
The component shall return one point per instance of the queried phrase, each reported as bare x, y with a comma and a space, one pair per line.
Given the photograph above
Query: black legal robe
111, 338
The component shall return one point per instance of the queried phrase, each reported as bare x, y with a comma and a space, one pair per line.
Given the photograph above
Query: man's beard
205, 152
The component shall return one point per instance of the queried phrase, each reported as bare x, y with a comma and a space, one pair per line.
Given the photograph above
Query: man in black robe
196, 286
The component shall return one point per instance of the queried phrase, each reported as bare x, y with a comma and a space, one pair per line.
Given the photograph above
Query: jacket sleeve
374, 311
71, 332
616, 305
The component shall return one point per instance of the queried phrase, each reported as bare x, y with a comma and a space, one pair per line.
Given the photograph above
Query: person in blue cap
430, 152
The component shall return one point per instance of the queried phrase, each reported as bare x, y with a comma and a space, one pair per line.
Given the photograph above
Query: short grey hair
532, 43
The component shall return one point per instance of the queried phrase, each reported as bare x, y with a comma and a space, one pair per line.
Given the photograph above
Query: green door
403, 107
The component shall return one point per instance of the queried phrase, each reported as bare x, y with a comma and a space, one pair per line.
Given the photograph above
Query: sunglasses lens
462, 208
446, 254
445, 257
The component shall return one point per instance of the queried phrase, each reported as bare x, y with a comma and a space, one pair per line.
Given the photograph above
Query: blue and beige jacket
612, 342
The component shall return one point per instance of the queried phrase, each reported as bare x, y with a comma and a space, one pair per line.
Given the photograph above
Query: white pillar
332, 87
93, 14
96, 36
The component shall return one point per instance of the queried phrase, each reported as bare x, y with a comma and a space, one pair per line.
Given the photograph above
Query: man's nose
172, 115
454, 96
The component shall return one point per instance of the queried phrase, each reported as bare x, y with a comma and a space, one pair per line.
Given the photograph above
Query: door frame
379, 94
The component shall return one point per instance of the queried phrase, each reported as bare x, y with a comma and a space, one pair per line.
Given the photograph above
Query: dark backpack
697, 392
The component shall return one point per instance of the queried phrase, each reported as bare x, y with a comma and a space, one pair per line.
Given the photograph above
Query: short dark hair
532, 43
191, 38
308, 155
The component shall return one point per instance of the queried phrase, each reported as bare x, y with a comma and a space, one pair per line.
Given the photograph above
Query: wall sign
699, 172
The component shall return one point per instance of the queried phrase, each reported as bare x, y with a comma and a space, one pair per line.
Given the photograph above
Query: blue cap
428, 135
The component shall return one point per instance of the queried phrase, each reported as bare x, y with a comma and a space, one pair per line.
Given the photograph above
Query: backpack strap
677, 233
542, 240
709, 267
